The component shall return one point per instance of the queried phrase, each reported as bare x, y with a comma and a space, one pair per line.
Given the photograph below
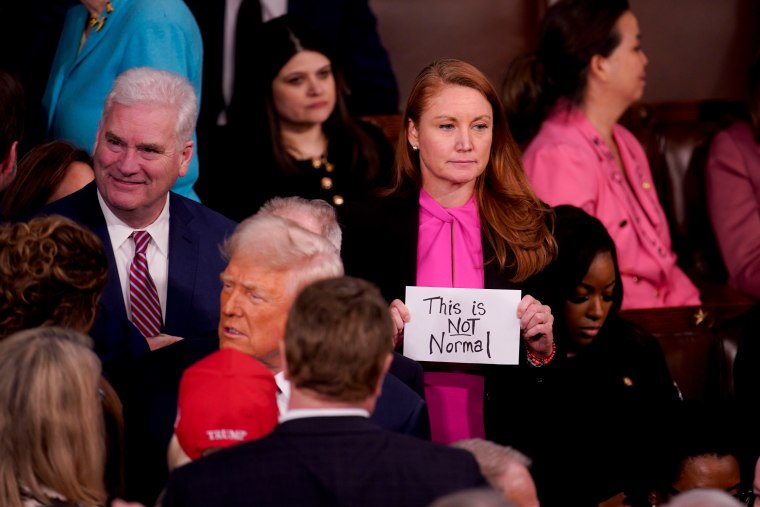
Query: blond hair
51, 420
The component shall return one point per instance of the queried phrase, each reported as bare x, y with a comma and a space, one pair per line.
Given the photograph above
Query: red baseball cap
226, 398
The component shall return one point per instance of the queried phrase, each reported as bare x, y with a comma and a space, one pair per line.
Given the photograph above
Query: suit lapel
92, 217
183, 263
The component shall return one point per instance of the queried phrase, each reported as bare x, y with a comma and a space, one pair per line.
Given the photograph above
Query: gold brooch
98, 23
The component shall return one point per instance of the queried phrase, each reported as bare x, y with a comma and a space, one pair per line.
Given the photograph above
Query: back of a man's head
12, 115
505, 468
336, 339
315, 215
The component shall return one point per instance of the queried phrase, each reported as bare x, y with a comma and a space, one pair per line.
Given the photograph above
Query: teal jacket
138, 33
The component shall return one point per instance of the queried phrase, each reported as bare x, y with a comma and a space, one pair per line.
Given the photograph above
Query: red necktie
143, 296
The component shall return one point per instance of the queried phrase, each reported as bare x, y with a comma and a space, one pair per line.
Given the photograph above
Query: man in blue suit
326, 451
143, 145
272, 256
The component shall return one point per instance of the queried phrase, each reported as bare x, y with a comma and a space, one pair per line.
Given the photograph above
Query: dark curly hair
52, 272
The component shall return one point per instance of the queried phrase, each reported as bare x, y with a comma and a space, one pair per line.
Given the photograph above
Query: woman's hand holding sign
536, 322
400, 316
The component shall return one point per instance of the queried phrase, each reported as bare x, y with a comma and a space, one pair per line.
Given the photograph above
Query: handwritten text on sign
462, 325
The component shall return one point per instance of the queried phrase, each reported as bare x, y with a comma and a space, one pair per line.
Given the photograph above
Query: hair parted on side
284, 37
52, 273
336, 339
580, 238
572, 32
280, 244
147, 85
51, 419
514, 220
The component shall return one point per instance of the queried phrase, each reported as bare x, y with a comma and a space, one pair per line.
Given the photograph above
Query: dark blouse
238, 191
590, 422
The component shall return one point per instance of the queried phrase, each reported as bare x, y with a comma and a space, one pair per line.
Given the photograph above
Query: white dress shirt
283, 396
157, 253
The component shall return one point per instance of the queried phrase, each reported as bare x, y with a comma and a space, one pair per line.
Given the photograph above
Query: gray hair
474, 497
280, 244
492, 458
704, 497
302, 210
146, 85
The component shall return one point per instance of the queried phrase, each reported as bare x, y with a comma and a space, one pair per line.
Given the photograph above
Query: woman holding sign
460, 212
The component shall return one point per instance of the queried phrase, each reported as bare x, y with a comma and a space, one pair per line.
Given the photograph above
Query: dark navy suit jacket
325, 461
195, 262
151, 401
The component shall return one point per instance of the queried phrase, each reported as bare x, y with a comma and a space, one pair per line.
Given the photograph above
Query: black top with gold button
330, 177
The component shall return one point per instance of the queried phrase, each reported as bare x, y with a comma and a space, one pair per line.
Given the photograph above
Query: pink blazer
733, 199
569, 163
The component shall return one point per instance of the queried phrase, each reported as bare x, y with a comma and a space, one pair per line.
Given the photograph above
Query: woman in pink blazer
733, 193
588, 69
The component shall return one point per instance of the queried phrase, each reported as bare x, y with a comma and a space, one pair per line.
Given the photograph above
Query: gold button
646, 185
316, 163
627, 381
338, 200
327, 183
329, 167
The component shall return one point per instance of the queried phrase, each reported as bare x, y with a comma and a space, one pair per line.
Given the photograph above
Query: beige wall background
697, 49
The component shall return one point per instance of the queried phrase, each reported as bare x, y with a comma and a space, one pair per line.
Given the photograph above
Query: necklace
98, 22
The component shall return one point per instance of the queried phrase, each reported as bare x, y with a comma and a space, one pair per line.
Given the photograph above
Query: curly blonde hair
52, 272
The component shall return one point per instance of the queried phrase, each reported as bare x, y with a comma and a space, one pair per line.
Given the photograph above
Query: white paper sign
462, 325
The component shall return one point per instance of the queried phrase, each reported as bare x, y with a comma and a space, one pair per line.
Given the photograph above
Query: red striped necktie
144, 304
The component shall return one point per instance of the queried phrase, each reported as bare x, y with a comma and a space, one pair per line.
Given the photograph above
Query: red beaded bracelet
536, 360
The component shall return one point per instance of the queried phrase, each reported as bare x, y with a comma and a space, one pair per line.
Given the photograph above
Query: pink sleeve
734, 212
564, 174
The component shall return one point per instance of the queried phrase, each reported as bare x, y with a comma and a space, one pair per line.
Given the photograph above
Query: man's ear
9, 163
8, 167
386, 367
187, 155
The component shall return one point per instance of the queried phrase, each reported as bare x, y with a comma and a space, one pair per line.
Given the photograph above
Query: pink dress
450, 254
569, 163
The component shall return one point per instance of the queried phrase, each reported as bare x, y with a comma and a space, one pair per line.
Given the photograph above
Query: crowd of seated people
260, 332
